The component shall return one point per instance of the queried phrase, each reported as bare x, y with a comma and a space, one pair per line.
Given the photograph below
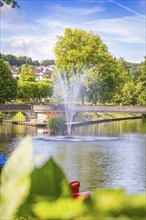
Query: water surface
107, 155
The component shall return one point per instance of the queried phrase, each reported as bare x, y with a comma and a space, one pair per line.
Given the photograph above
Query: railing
103, 108
100, 108
15, 107
48, 108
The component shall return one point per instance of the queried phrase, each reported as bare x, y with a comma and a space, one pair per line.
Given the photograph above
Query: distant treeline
18, 61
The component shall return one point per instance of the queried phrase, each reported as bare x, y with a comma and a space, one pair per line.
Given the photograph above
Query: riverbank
105, 120
87, 120
35, 123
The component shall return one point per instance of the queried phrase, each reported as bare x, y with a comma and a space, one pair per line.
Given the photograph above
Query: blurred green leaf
1, 4
48, 182
15, 179
63, 208
135, 206
109, 204
8, 2
14, 4
106, 202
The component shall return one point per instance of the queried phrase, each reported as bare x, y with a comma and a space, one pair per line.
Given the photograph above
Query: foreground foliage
12, 3
44, 193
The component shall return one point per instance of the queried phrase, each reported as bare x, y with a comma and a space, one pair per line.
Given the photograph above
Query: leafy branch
12, 3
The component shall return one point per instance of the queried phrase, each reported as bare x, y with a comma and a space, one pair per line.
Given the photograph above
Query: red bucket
75, 185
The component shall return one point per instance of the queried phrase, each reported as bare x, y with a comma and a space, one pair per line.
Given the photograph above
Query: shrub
56, 125
52, 124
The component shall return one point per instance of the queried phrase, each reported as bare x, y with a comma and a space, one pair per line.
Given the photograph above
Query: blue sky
32, 29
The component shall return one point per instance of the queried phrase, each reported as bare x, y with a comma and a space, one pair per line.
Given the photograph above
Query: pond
106, 155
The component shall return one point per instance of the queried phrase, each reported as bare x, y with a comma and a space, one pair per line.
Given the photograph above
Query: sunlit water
108, 155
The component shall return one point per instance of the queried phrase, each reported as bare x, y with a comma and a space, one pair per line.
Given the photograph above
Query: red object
85, 195
75, 185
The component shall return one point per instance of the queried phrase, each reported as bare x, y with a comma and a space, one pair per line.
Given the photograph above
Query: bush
2, 115
52, 124
57, 125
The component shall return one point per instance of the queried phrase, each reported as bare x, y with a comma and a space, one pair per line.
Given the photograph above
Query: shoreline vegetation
57, 125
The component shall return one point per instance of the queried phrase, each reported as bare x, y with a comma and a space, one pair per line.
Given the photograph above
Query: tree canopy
28, 87
8, 84
26, 73
78, 48
27, 90
20, 60
101, 82
47, 62
107, 79
141, 83
133, 68
86, 50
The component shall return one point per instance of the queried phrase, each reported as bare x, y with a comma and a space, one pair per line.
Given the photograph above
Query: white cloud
38, 38
52, 25
9, 15
18, 44
126, 29
78, 11
38, 47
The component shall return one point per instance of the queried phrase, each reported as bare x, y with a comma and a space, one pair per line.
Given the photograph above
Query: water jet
67, 90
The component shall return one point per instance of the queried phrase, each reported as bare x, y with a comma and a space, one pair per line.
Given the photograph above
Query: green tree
11, 59
125, 93
78, 48
44, 88
141, 83
27, 90
129, 94
83, 50
47, 62
101, 82
133, 68
36, 63
26, 73
18, 61
8, 85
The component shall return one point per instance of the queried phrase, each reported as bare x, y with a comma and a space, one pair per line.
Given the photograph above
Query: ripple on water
76, 138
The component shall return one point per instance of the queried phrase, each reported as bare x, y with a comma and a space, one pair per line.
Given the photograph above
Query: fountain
67, 90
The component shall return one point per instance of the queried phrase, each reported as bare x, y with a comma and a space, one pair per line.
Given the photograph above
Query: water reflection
110, 155
116, 128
